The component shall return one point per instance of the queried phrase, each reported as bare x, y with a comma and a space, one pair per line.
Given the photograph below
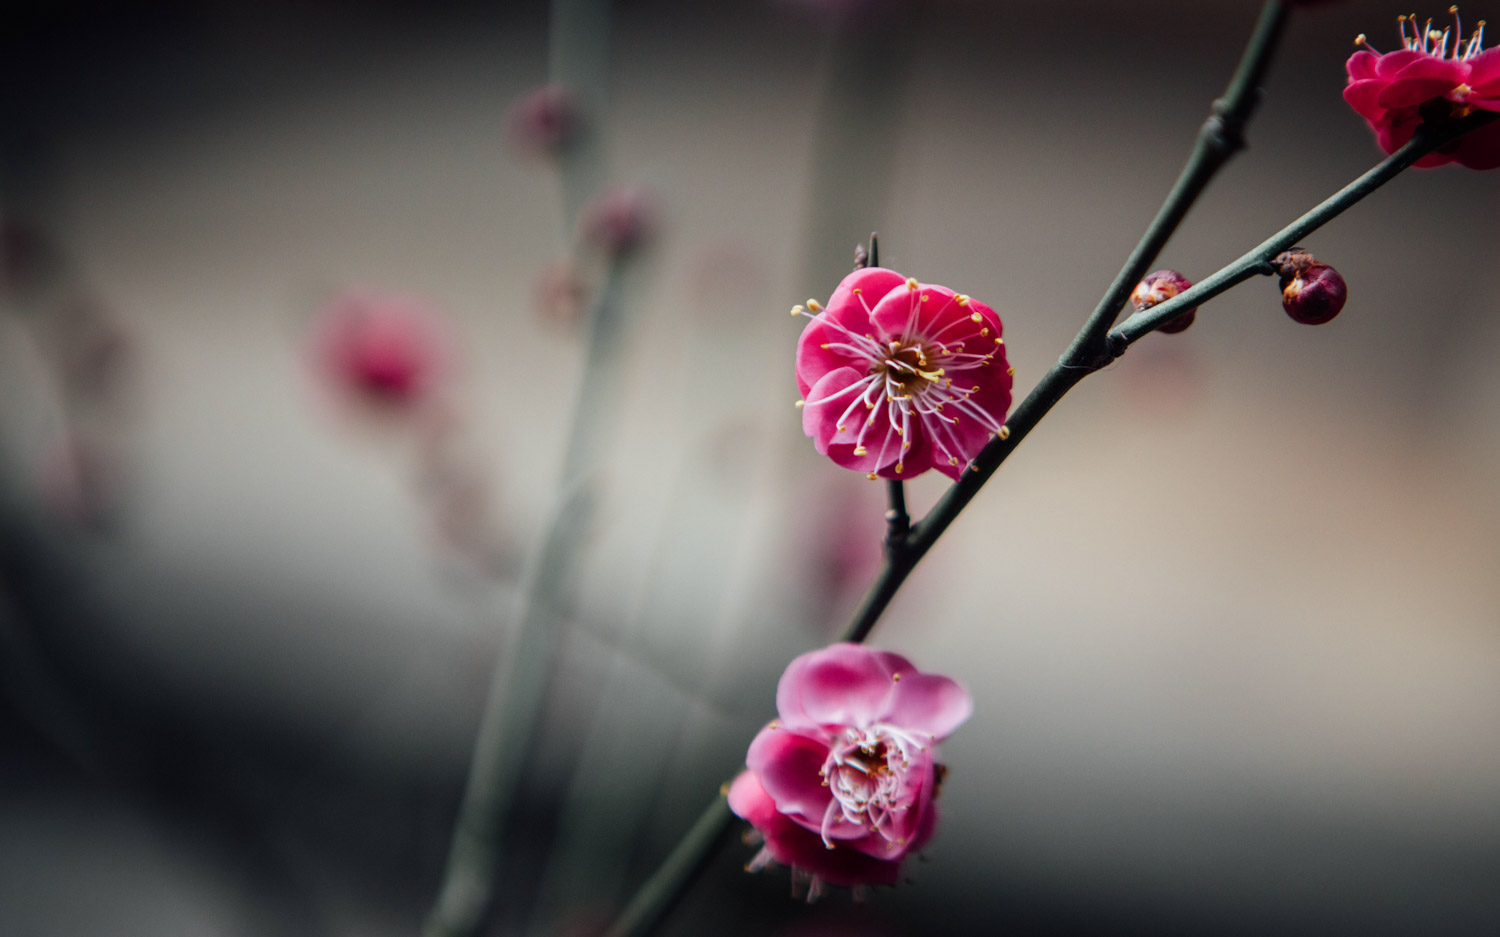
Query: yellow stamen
1004, 432
814, 305
800, 404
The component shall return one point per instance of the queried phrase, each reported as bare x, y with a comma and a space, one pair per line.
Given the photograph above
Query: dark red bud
1312, 292
1159, 287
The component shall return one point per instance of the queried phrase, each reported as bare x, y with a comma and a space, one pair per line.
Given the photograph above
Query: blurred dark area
1229, 621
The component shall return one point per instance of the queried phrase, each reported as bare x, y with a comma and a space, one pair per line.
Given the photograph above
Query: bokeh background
1229, 616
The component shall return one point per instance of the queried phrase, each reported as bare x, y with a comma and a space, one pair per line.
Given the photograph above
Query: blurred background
1229, 616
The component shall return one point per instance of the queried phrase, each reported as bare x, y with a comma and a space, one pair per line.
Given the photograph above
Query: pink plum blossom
898, 376
384, 349
841, 785
1437, 75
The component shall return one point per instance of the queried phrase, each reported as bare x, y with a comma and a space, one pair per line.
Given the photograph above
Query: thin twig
1222, 136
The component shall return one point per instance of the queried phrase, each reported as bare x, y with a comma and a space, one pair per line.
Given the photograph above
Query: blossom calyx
1158, 287
841, 784
1311, 291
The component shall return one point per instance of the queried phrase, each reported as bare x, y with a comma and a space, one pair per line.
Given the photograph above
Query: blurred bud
1311, 292
620, 220
1159, 287
26, 258
544, 121
559, 295
384, 349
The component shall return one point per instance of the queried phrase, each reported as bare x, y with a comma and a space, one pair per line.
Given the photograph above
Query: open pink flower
898, 376
1437, 75
842, 784
384, 349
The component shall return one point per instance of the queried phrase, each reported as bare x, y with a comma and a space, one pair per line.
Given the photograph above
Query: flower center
906, 369
868, 773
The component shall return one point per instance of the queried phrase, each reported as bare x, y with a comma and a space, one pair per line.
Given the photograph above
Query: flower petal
827, 401
1363, 96
749, 800
841, 685
1389, 64
1410, 92
788, 767
929, 704
1361, 65
814, 361
1484, 72
873, 284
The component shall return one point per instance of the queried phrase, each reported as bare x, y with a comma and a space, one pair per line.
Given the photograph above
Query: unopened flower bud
1159, 287
544, 121
620, 220
1311, 291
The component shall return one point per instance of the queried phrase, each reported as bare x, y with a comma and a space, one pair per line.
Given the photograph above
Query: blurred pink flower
620, 219
1437, 76
842, 784
388, 350
898, 376
544, 121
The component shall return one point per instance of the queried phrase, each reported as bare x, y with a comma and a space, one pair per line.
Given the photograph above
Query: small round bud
1311, 291
544, 121
620, 220
1159, 287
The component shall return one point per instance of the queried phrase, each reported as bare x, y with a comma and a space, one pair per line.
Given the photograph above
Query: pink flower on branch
841, 785
1437, 76
386, 350
898, 376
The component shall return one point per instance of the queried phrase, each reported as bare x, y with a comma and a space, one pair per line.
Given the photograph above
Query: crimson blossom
841, 785
898, 376
1437, 76
384, 349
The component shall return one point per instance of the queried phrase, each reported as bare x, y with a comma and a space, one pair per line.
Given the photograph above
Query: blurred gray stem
579, 60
